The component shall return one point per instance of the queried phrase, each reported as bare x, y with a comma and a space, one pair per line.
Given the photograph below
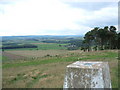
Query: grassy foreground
48, 72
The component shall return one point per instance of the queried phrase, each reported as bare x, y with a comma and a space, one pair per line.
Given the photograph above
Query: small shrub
34, 77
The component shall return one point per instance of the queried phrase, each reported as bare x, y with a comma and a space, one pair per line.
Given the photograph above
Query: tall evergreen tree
103, 38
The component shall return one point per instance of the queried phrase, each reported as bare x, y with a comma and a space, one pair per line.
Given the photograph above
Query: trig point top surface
87, 64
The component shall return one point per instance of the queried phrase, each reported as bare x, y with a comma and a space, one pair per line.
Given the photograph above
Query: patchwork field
43, 46
46, 68
50, 46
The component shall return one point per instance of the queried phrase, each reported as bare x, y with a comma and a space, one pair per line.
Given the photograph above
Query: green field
52, 46
39, 42
43, 46
48, 71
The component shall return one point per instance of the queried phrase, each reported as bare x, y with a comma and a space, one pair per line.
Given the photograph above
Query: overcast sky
55, 17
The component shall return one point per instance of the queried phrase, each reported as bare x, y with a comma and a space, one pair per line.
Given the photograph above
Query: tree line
15, 46
101, 39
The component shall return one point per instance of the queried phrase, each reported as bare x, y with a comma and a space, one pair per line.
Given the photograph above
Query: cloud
90, 1
104, 17
49, 17
92, 6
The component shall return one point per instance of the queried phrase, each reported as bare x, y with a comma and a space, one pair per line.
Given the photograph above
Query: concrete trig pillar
83, 74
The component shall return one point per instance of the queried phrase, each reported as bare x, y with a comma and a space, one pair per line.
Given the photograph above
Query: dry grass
38, 53
51, 75
21, 54
11, 56
55, 75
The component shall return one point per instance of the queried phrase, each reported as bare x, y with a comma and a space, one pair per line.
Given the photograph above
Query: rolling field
43, 46
46, 68
40, 53
50, 46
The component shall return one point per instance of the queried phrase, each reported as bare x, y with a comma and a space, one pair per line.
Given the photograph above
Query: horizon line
39, 35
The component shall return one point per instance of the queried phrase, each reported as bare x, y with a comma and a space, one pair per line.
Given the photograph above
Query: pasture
50, 46
46, 68
43, 46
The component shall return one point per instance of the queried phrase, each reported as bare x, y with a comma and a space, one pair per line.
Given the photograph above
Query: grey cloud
5, 2
99, 22
91, 6
106, 16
